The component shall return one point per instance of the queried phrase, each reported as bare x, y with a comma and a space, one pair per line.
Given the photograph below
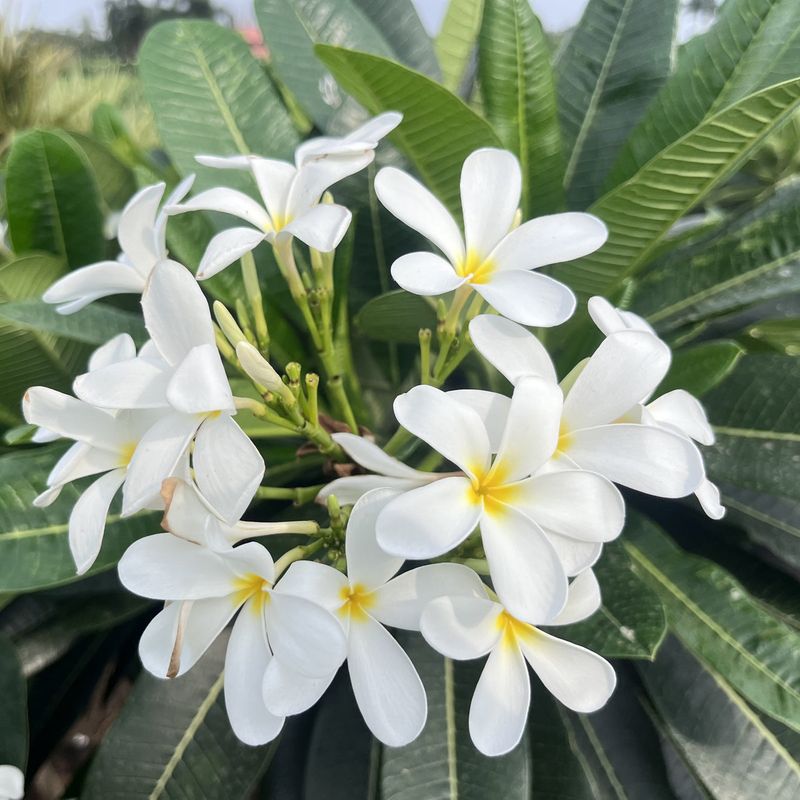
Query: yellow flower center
126, 453
513, 629
475, 268
357, 599
564, 439
491, 487
252, 586
280, 221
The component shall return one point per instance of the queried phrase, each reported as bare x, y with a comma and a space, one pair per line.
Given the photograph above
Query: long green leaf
210, 96
173, 740
115, 180
726, 742
754, 43
456, 39
396, 316
438, 130
519, 100
640, 212
715, 618
614, 62
52, 199
700, 368
13, 713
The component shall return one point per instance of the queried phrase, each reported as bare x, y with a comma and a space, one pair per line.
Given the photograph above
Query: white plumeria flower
388, 690
179, 374
494, 258
364, 138
528, 524
597, 430
105, 442
204, 590
12, 782
678, 410
465, 628
141, 233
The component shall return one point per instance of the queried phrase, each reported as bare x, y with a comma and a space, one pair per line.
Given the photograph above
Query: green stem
296, 554
299, 495
253, 292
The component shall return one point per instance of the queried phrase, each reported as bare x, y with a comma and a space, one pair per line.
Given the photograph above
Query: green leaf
13, 711
210, 95
173, 740
725, 741
95, 324
519, 100
721, 624
782, 335
115, 180
456, 39
34, 552
52, 199
614, 62
640, 212
442, 761
700, 368
631, 622
754, 44
438, 130
396, 316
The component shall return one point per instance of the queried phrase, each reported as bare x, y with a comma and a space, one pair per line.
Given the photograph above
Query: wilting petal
684, 412
491, 182
285, 691
575, 556
85, 285
510, 348
199, 384
583, 599
622, 372
425, 274
136, 383
414, 205
428, 521
400, 602
388, 690
499, 706
226, 201
227, 247
368, 455
88, 519
526, 571
462, 628
613, 320
708, 496
491, 407
317, 582
228, 467
321, 227
187, 515
528, 297
349, 490
580, 679
551, 239
120, 348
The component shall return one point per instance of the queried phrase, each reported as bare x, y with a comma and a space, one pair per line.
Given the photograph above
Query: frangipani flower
596, 432
204, 590
388, 690
363, 139
464, 628
142, 237
12, 782
494, 258
523, 520
179, 374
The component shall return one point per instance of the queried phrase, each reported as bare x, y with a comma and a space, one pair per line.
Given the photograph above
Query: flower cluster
528, 496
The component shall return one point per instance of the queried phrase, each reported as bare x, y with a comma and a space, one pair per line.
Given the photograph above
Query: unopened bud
261, 371
228, 325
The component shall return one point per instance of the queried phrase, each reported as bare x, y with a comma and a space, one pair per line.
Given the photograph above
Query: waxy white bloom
142, 237
678, 410
529, 525
388, 690
493, 257
290, 197
595, 431
204, 590
179, 375
12, 782
464, 628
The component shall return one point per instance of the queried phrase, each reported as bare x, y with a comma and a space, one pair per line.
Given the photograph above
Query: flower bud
262, 372
228, 325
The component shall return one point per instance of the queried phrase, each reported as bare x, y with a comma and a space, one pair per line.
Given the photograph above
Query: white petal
644, 458
274, 179
583, 599
44, 436
461, 627
682, 411
227, 247
368, 455
87, 522
414, 205
575, 556
246, 663
388, 690
491, 407
314, 177
428, 521
224, 162
248, 560
531, 431
449, 427
285, 691
609, 319
156, 457
349, 490
425, 274
367, 563
321, 227
187, 515
175, 196
85, 285
528, 297
199, 384
12, 782
226, 201
120, 348
228, 467
526, 571
623, 371
510, 348
491, 182
550, 240
575, 503
580, 679
176, 312
136, 231
80, 461
135, 383
708, 496
400, 602
316, 582
499, 706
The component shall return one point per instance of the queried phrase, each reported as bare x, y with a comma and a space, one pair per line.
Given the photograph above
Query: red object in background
255, 41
